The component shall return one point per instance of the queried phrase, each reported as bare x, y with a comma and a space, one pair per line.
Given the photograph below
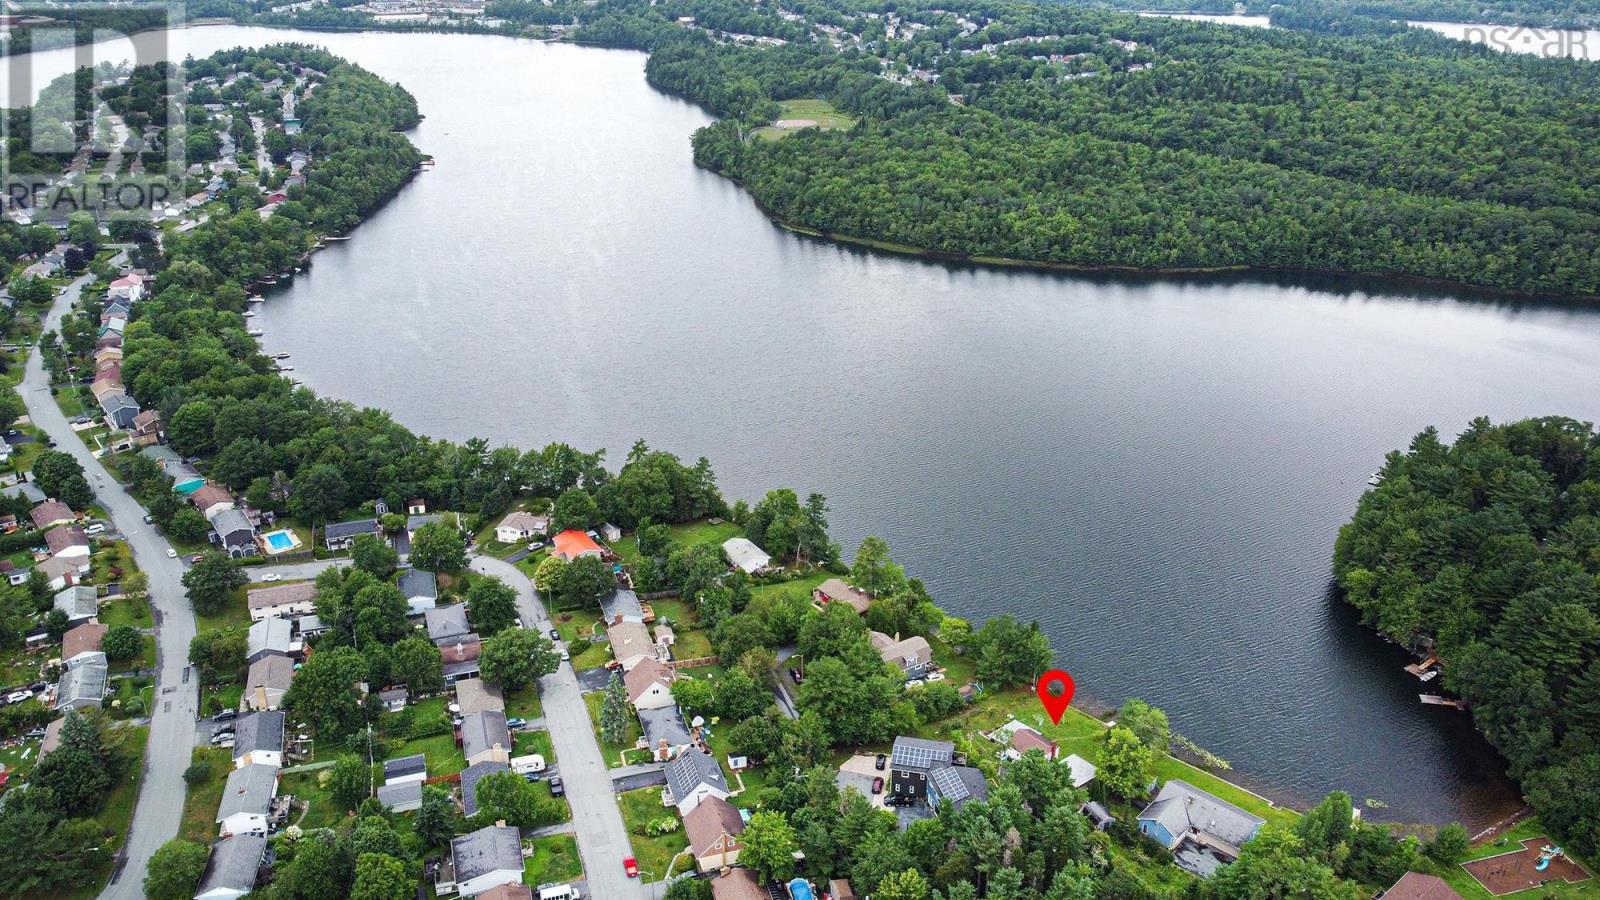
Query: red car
631, 866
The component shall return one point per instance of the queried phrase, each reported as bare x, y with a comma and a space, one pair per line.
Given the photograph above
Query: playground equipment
1547, 853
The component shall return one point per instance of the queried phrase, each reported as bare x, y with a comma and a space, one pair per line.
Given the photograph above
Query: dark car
877, 785
557, 789
794, 675
225, 715
880, 762
555, 635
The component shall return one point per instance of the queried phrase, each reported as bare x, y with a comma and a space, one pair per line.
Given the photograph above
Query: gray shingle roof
1181, 806
692, 768
920, 754
958, 784
482, 730
418, 583
401, 793
249, 790
486, 850
259, 731
269, 636
404, 765
233, 864
469, 783
341, 530
81, 684
233, 526
447, 622
621, 603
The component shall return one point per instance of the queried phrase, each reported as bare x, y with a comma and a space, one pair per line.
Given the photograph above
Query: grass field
814, 113
611, 752
687, 535
554, 859
233, 612
533, 741
524, 704
133, 611
200, 806
653, 853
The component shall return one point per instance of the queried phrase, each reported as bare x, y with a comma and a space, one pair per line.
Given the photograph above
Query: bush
578, 645
198, 773
659, 827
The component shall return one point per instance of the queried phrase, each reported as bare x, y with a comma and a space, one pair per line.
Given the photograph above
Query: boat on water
286, 368
280, 356
1376, 479
249, 314
255, 332
256, 299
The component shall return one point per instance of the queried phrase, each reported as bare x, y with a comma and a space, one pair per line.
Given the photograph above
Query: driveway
296, 571
596, 820
160, 806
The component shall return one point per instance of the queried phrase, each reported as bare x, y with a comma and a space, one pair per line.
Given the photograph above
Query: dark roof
621, 603
447, 622
234, 863
418, 583
230, 522
400, 793
340, 530
258, 731
921, 754
958, 784
404, 765
469, 783
664, 723
489, 849
692, 768
481, 731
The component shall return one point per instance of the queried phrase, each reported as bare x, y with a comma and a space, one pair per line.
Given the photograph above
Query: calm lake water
1155, 469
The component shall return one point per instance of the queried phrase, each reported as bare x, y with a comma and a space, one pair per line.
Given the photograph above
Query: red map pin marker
1055, 703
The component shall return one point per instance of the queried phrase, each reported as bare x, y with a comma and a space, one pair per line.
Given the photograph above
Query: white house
692, 777
521, 526
247, 800
745, 555
287, 601
231, 871
258, 740
483, 859
649, 685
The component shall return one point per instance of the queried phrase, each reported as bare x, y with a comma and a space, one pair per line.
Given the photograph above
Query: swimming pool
280, 541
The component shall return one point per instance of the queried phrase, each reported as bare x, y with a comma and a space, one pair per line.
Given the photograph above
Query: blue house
1203, 832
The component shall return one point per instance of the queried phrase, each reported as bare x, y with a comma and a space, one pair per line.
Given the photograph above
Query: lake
1153, 468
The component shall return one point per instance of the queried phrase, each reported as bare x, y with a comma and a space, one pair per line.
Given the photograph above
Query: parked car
35, 733
272, 576
566, 656
555, 635
222, 740
96, 528
631, 866
557, 789
18, 696
225, 715
934, 676
880, 762
171, 553
149, 519
877, 785
794, 675
515, 723
535, 545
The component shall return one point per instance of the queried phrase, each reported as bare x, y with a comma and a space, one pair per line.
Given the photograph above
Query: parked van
559, 892
96, 528
524, 765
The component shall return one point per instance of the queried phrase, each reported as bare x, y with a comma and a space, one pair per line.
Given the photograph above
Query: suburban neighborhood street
602, 837
160, 805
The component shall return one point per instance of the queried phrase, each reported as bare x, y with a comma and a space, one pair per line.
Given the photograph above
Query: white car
565, 656
933, 676
171, 553
272, 576
18, 696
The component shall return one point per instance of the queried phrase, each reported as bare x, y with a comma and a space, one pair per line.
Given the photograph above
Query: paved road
160, 807
602, 838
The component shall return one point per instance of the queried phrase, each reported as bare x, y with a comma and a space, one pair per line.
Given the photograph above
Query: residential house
571, 544
405, 768
621, 605
507, 892
402, 796
691, 778
421, 590
665, 733
630, 644
738, 884
106, 356
147, 427
235, 533
520, 526
246, 805
82, 639
309, 626
267, 637
446, 624
470, 776
1024, 739
913, 655
51, 513
484, 737
107, 381
1203, 831
461, 657
957, 784
81, 602
486, 858
394, 699
282, 600
713, 828
120, 410
83, 683
258, 740
232, 869
342, 535
649, 685
267, 681
212, 499
60, 573
1082, 770
925, 771
835, 591
128, 287
1417, 886
67, 541
474, 695
745, 556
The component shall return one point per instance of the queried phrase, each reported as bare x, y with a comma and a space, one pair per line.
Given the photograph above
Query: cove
1154, 468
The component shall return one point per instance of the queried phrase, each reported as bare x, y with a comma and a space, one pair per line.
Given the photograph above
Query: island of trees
1486, 552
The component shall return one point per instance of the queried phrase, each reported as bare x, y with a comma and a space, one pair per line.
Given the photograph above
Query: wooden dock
1420, 669
1436, 700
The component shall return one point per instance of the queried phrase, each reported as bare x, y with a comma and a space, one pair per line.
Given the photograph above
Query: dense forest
1164, 144
1546, 13
1487, 551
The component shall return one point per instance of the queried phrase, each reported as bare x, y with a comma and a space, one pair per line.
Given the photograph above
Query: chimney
499, 823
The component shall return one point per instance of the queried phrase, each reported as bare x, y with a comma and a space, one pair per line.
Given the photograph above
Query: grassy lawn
1506, 842
227, 696
816, 113
444, 757
575, 625
19, 759
233, 612
117, 815
145, 660
611, 752
693, 642
526, 742
801, 587
754, 779
524, 704
554, 859
687, 534
133, 611
653, 853
200, 806
320, 811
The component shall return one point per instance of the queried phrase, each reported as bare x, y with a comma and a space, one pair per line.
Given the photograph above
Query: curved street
160, 806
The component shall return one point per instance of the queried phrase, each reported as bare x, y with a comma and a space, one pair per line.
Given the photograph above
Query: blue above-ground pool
800, 889
279, 541
190, 486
